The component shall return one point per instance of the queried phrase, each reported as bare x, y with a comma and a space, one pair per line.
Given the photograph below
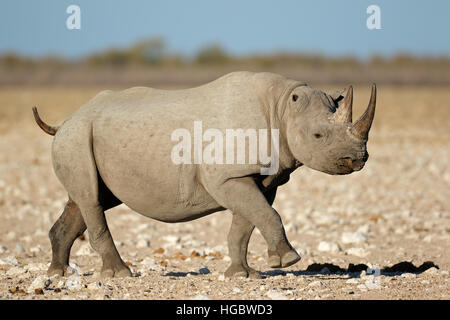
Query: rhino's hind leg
238, 238
101, 241
84, 185
62, 235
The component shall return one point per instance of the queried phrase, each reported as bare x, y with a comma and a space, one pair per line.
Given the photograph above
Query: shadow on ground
354, 270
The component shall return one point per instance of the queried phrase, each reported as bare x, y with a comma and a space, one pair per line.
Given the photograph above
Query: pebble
332, 247
171, 239
39, 282
11, 235
9, 260
3, 249
14, 271
143, 243
73, 282
358, 252
204, 271
36, 249
236, 290
276, 295
353, 237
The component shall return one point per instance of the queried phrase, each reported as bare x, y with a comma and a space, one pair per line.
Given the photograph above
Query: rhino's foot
115, 272
239, 271
288, 259
60, 270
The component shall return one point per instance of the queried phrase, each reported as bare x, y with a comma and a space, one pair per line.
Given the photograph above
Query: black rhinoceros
119, 148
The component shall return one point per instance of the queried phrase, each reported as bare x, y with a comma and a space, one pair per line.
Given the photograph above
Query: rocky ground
381, 233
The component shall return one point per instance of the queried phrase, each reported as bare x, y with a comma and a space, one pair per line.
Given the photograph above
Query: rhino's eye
317, 135
294, 97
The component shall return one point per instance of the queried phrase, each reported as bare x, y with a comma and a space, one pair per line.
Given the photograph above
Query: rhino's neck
276, 118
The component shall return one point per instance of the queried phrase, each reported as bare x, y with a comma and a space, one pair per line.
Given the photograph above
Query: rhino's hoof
274, 261
57, 270
290, 258
237, 271
115, 273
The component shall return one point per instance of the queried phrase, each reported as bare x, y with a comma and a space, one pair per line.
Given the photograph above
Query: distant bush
213, 54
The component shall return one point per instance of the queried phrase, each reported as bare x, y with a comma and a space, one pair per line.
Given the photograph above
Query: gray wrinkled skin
116, 149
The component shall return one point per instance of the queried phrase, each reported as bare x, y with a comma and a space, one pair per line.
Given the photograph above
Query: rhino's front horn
360, 128
343, 113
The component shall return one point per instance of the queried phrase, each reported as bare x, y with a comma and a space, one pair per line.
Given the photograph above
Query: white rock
11, 235
428, 238
332, 247
14, 271
171, 239
73, 282
276, 295
40, 282
9, 260
85, 250
364, 229
36, 249
358, 252
236, 290
221, 277
353, 237
408, 275
143, 243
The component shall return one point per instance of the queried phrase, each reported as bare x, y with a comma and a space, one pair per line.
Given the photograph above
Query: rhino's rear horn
343, 113
361, 128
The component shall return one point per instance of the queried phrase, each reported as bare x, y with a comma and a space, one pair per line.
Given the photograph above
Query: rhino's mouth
348, 164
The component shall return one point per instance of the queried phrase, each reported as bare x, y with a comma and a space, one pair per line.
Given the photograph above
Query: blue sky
38, 28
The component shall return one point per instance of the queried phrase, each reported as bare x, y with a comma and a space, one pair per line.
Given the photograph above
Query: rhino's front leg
243, 197
238, 238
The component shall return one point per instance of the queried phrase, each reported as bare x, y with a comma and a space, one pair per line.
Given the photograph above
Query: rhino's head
320, 132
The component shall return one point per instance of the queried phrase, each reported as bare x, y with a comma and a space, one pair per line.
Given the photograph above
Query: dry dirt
392, 217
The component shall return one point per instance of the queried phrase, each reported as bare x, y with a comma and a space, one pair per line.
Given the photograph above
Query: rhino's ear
337, 95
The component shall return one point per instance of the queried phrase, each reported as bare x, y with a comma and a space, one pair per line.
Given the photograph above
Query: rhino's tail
47, 129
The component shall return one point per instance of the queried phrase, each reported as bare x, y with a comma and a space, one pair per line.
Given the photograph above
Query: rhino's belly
143, 177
